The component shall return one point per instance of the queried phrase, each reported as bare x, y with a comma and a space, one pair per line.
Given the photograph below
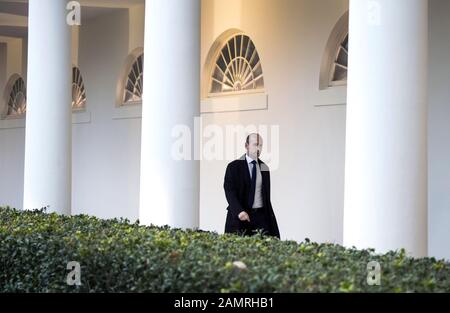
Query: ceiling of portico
14, 13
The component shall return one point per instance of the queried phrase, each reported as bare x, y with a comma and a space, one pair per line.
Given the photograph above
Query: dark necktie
251, 196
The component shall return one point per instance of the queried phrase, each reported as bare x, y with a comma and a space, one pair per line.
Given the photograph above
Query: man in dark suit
247, 189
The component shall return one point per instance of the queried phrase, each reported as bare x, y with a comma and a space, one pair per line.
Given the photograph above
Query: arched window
78, 90
339, 69
16, 97
237, 67
334, 67
134, 82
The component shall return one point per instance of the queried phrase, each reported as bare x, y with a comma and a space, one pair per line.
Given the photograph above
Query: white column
47, 179
169, 190
386, 145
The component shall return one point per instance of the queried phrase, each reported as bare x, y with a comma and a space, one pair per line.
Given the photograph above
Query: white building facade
351, 98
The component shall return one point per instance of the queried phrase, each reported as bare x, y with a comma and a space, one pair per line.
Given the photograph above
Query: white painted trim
81, 117
10, 123
337, 35
211, 59
127, 112
123, 77
78, 117
243, 102
330, 97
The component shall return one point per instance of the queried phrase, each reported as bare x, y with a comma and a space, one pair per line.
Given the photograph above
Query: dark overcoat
237, 189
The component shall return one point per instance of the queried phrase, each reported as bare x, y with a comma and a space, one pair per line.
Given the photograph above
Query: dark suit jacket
237, 189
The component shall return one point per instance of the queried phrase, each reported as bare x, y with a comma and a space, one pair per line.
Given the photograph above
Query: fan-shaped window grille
339, 71
17, 101
237, 67
134, 84
78, 90
333, 71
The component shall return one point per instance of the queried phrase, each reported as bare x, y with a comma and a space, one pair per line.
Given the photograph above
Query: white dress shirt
258, 202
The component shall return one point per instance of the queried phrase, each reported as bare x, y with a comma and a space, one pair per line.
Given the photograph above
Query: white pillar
47, 179
169, 190
386, 145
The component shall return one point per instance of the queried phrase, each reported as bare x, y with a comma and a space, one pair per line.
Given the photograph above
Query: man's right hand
243, 216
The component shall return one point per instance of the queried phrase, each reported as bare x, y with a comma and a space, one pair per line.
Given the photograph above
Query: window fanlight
17, 98
340, 66
134, 85
237, 67
78, 90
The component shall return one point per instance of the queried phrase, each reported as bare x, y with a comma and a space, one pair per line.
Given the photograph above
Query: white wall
136, 31
12, 140
106, 151
439, 130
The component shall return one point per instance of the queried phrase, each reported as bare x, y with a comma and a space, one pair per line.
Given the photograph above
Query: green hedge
117, 256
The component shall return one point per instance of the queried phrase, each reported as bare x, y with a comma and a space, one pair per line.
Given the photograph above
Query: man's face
254, 146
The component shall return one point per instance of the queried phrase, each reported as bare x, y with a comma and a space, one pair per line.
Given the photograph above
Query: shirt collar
249, 159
